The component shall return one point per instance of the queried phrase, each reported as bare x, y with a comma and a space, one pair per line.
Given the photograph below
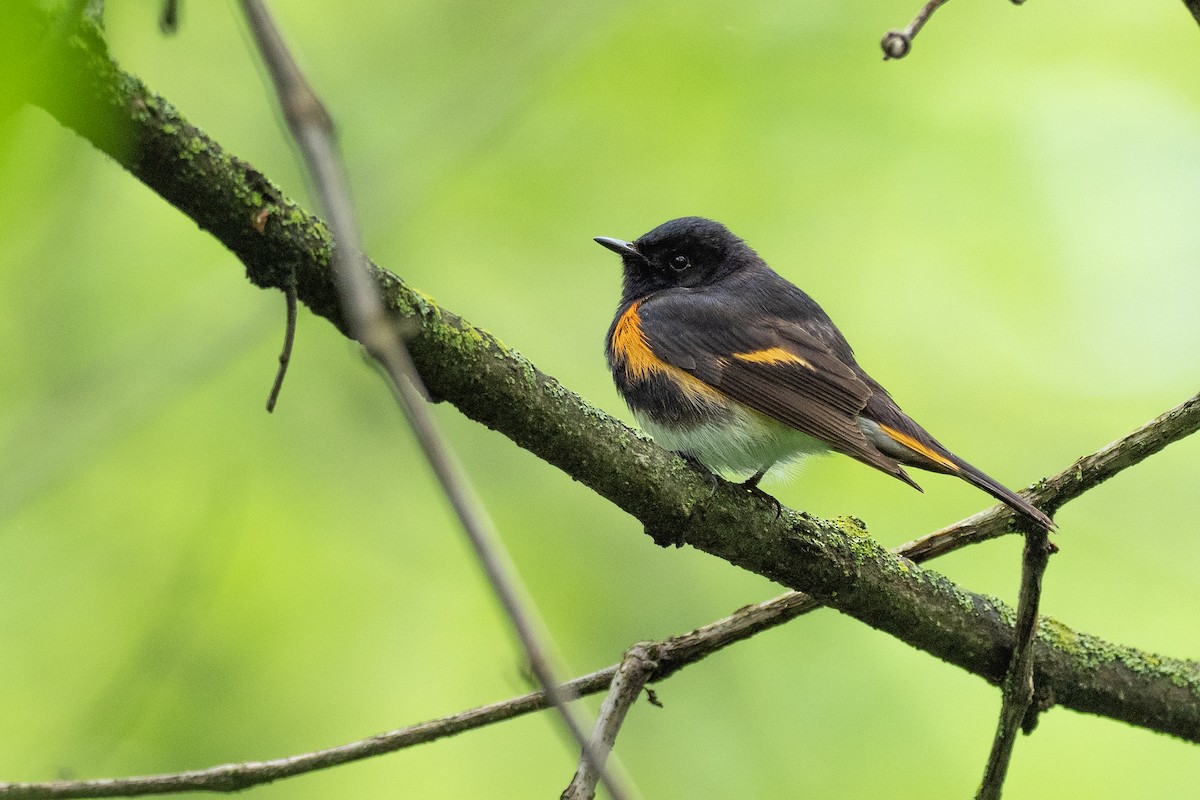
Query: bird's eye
680, 262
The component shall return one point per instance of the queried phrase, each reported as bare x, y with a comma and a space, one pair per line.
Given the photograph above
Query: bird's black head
686, 252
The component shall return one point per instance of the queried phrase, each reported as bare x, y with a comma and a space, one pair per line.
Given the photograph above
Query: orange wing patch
915, 446
630, 347
773, 355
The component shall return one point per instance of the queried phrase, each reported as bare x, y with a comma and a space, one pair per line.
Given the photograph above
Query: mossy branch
835, 562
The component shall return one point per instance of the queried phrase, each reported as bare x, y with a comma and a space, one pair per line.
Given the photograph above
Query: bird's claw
751, 486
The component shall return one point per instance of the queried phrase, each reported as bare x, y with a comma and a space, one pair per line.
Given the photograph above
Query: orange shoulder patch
633, 353
629, 344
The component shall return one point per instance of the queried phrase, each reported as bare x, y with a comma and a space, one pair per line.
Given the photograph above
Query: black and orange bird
726, 363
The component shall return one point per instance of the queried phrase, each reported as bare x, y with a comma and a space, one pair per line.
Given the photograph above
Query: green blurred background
1004, 225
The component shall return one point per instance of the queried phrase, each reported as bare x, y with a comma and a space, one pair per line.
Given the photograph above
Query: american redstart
730, 365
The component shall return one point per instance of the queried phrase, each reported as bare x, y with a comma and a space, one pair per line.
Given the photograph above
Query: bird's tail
1002, 493
916, 448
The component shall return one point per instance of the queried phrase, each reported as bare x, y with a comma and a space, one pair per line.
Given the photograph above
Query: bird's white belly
744, 442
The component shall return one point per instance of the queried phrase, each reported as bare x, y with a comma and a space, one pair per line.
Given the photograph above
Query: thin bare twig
1017, 690
312, 127
628, 681
240, 776
898, 43
285, 355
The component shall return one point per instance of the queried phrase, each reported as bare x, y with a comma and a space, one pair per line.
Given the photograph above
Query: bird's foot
751, 486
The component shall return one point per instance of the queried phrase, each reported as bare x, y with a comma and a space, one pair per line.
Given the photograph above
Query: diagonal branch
834, 561
369, 322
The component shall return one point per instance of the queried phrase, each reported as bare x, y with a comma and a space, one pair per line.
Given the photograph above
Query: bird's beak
618, 246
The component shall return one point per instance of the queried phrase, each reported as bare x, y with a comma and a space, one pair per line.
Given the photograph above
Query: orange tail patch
917, 447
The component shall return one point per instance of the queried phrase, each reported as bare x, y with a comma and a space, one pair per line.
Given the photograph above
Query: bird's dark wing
767, 363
